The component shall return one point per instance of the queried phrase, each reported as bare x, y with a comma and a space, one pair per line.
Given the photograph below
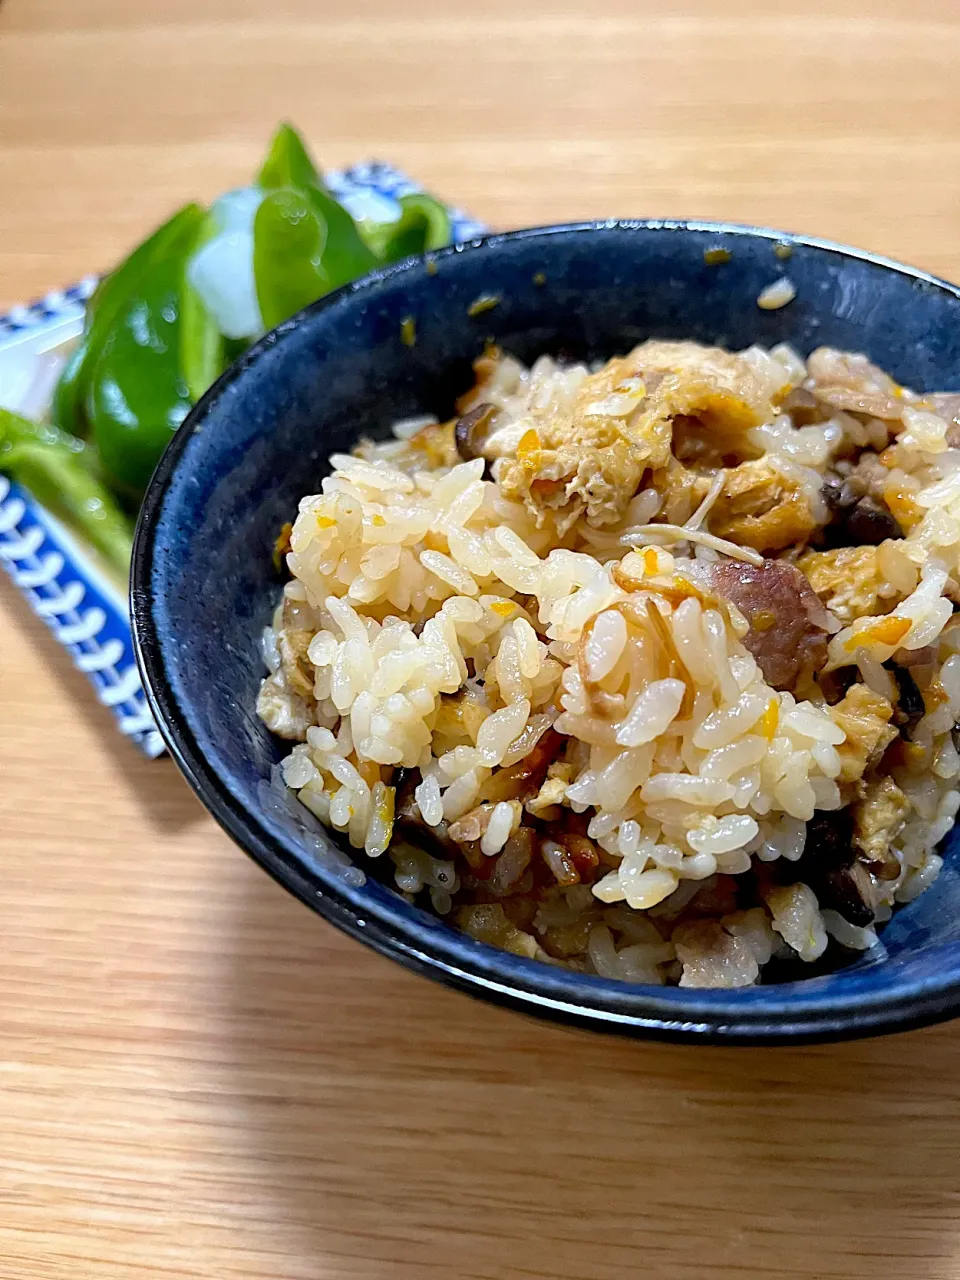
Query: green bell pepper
58, 470
137, 392
102, 315
150, 347
305, 241
288, 244
288, 162
424, 224
346, 256
66, 411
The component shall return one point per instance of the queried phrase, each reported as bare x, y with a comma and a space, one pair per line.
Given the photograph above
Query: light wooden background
197, 1077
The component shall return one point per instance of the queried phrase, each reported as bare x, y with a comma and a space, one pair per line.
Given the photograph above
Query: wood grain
197, 1077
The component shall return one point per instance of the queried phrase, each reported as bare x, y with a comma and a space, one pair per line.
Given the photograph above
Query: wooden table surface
197, 1077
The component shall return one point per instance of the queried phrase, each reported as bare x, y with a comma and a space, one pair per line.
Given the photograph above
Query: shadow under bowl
203, 583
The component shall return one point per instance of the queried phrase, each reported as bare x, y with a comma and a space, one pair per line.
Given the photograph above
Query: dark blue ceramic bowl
204, 586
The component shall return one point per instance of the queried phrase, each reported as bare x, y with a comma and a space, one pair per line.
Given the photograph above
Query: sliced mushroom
910, 708
860, 516
834, 684
409, 821
829, 866
470, 429
849, 891
869, 523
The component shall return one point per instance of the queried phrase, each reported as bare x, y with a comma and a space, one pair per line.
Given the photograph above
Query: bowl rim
444, 954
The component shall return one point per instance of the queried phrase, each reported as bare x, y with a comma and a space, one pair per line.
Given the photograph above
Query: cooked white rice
544, 661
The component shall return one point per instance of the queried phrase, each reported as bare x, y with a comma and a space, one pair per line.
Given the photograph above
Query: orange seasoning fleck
887, 631
651, 561
378, 522
891, 630
528, 449
934, 695
326, 522
282, 545
770, 719
369, 771
503, 608
902, 505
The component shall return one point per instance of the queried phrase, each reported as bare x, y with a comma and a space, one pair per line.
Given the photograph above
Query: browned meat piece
510, 867
763, 508
850, 382
788, 635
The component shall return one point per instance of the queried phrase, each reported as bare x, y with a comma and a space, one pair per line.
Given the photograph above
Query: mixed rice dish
651, 669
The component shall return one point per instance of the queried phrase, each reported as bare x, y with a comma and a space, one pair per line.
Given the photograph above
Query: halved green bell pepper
288, 247
59, 471
424, 224
102, 314
137, 392
305, 241
288, 162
